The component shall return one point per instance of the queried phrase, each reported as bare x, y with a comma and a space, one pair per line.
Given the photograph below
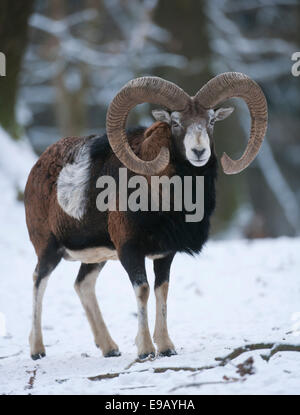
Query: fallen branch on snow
272, 347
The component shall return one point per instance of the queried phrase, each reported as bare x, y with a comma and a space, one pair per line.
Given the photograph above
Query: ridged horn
150, 89
235, 84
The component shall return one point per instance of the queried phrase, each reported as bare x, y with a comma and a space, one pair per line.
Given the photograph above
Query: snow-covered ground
234, 294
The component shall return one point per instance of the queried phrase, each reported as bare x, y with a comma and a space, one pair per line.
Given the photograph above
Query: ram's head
191, 119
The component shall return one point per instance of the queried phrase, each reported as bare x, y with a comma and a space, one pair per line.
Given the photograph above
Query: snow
235, 293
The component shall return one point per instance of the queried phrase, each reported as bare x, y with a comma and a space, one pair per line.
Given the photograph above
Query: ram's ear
222, 113
162, 115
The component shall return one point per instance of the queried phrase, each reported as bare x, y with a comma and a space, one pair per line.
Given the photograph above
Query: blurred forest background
67, 59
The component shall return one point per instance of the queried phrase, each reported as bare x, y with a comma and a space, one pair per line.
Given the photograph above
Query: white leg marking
36, 337
143, 338
161, 336
87, 295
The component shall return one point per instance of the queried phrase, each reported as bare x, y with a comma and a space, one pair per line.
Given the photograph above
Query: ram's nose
198, 153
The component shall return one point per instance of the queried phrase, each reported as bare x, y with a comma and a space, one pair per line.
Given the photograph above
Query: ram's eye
175, 124
212, 121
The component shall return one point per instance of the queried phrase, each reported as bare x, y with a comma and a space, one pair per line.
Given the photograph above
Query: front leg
134, 263
161, 335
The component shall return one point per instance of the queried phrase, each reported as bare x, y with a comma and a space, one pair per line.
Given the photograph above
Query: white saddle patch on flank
72, 184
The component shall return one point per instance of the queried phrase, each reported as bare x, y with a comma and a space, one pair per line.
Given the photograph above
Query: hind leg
48, 260
85, 287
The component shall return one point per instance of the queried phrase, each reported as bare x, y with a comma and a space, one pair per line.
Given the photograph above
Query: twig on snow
273, 347
243, 369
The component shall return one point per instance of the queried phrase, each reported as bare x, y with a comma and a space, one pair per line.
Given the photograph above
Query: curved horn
235, 84
146, 89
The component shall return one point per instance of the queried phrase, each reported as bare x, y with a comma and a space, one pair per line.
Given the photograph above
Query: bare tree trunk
184, 40
193, 41
69, 96
13, 37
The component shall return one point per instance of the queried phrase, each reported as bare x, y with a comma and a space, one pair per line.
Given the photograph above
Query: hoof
145, 355
113, 353
38, 356
168, 353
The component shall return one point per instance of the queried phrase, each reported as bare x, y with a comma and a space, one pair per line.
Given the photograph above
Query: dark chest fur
162, 231
154, 232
